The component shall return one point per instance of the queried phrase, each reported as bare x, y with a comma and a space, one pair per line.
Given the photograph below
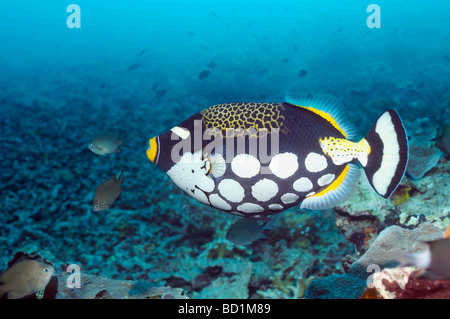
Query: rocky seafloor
157, 242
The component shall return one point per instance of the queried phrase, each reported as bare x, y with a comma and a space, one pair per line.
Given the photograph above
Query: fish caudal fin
388, 156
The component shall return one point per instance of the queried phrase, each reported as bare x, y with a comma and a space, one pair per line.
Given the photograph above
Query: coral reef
423, 153
99, 287
157, 242
354, 283
346, 286
157, 235
399, 283
395, 239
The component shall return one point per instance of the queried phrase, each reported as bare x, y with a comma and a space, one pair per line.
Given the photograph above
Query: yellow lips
152, 150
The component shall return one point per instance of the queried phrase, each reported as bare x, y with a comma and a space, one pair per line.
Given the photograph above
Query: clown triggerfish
258, 159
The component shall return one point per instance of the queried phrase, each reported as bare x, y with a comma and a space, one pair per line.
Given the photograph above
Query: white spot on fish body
303, 184
181, 132
231, 190
289, 198
218, 202
264, 190
250, 208
284, 165
275, 207
315, 162
325, 179
245, 165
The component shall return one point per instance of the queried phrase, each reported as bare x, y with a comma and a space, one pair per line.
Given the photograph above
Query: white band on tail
391, 153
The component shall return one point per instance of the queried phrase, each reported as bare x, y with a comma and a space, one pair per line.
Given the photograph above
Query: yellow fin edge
326, 116
334, 185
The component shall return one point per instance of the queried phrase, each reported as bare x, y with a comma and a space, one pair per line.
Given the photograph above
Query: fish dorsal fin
328, 107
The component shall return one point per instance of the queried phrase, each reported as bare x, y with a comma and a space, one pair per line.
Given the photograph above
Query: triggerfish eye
152, 151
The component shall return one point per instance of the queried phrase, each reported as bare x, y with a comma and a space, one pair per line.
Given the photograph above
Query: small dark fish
212, 65
154, 86
25, 278
302, 73
434, 261
190, 33
284, 60
246, 230
134, 67
106, 143
358, 93
160, 94
107, 193
204, 74
261, 96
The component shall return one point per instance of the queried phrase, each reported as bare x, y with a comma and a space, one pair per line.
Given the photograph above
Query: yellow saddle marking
343, 151
237, 119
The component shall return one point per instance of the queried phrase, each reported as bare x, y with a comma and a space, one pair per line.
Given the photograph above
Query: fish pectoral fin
218, 165
216, 159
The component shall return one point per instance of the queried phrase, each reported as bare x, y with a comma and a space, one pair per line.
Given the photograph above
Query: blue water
133, 67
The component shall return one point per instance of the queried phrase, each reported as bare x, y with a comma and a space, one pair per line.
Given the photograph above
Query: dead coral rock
423, 156
424, 289
365, 200
360, 229
231, 283
395, 239
98, 287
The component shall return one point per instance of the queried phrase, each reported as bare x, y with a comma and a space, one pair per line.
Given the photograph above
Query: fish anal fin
337, 192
